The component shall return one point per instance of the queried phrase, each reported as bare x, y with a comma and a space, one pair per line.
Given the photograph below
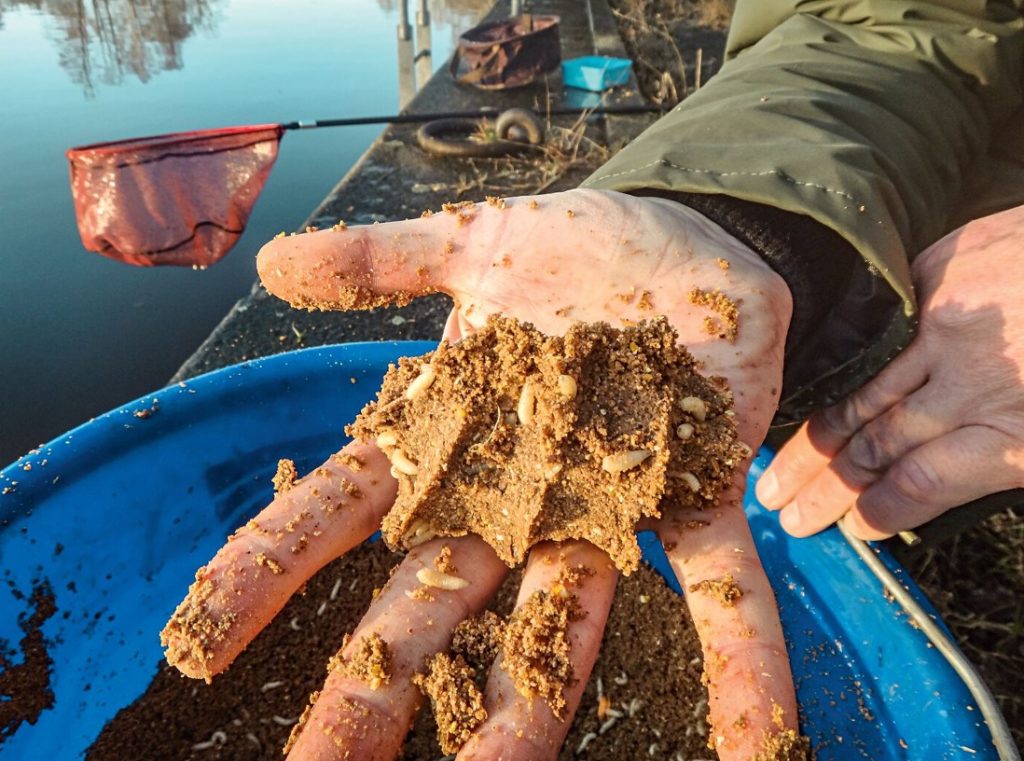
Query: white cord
1001, 737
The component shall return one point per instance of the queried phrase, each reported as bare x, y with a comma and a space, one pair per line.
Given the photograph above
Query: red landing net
171, 199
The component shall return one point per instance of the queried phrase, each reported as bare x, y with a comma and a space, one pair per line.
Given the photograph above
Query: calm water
79, 333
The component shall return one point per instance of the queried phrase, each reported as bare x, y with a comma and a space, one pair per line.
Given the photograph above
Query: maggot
527, 403
434, 578
421, 382
690, 480
567, 386
622, 461
695, 406
403, 464
418, 532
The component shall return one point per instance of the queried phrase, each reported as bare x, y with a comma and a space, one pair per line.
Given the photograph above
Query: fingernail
790, 518
768, 490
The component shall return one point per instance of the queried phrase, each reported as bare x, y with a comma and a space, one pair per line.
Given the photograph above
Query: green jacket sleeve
868, 117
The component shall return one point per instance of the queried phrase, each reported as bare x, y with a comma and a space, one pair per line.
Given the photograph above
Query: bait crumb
265, 561
457, 207
495, 201
535, 647
457, 702
515, 426
783, 745
443, 562
723, 263
645, 301
573, 576
533, 203
347, 459
721, 304
293, 736
421, 594
725, 590
340, 226
286, 476
350, 489
370, 663
351, 297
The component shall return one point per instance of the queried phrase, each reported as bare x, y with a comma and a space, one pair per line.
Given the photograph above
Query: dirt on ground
676, 45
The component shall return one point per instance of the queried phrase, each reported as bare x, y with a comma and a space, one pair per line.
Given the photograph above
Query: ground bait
535, 647
25, 690
648, 675
520, 437
370, 661
285, 477
455, 699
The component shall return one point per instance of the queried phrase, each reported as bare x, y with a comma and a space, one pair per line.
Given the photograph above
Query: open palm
551, 260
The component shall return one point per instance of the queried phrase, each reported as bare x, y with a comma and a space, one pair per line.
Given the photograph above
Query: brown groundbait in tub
519, 437
25, 687
645, 689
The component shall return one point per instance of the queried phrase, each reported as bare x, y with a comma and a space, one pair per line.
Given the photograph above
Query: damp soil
640, 697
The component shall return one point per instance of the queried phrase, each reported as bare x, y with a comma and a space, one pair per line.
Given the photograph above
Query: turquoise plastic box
596, 72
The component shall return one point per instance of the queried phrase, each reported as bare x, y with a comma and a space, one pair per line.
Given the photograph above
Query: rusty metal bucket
509, 53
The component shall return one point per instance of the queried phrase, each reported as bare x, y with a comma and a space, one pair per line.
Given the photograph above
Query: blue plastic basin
137, 504
595, 72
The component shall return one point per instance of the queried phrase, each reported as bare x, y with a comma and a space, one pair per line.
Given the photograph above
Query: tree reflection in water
103, 41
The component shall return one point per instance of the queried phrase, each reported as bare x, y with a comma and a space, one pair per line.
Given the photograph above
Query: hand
943, 423
580, 255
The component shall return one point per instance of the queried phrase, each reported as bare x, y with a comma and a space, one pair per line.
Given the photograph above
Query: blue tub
596, 73
117, 514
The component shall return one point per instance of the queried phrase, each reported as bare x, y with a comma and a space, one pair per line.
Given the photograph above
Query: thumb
344, 268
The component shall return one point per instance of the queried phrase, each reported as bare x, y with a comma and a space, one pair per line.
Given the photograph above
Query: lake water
79, 333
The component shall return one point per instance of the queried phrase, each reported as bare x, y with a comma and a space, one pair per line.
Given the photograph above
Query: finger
358, 267
520, 728
962, 466
452, 331
750, 686
352, 720
265, 561
367, 266
924, 416
827, 431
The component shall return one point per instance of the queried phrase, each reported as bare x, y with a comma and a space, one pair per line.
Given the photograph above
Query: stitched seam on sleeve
694, 170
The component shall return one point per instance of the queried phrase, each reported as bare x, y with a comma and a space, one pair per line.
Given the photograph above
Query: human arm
941, 425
